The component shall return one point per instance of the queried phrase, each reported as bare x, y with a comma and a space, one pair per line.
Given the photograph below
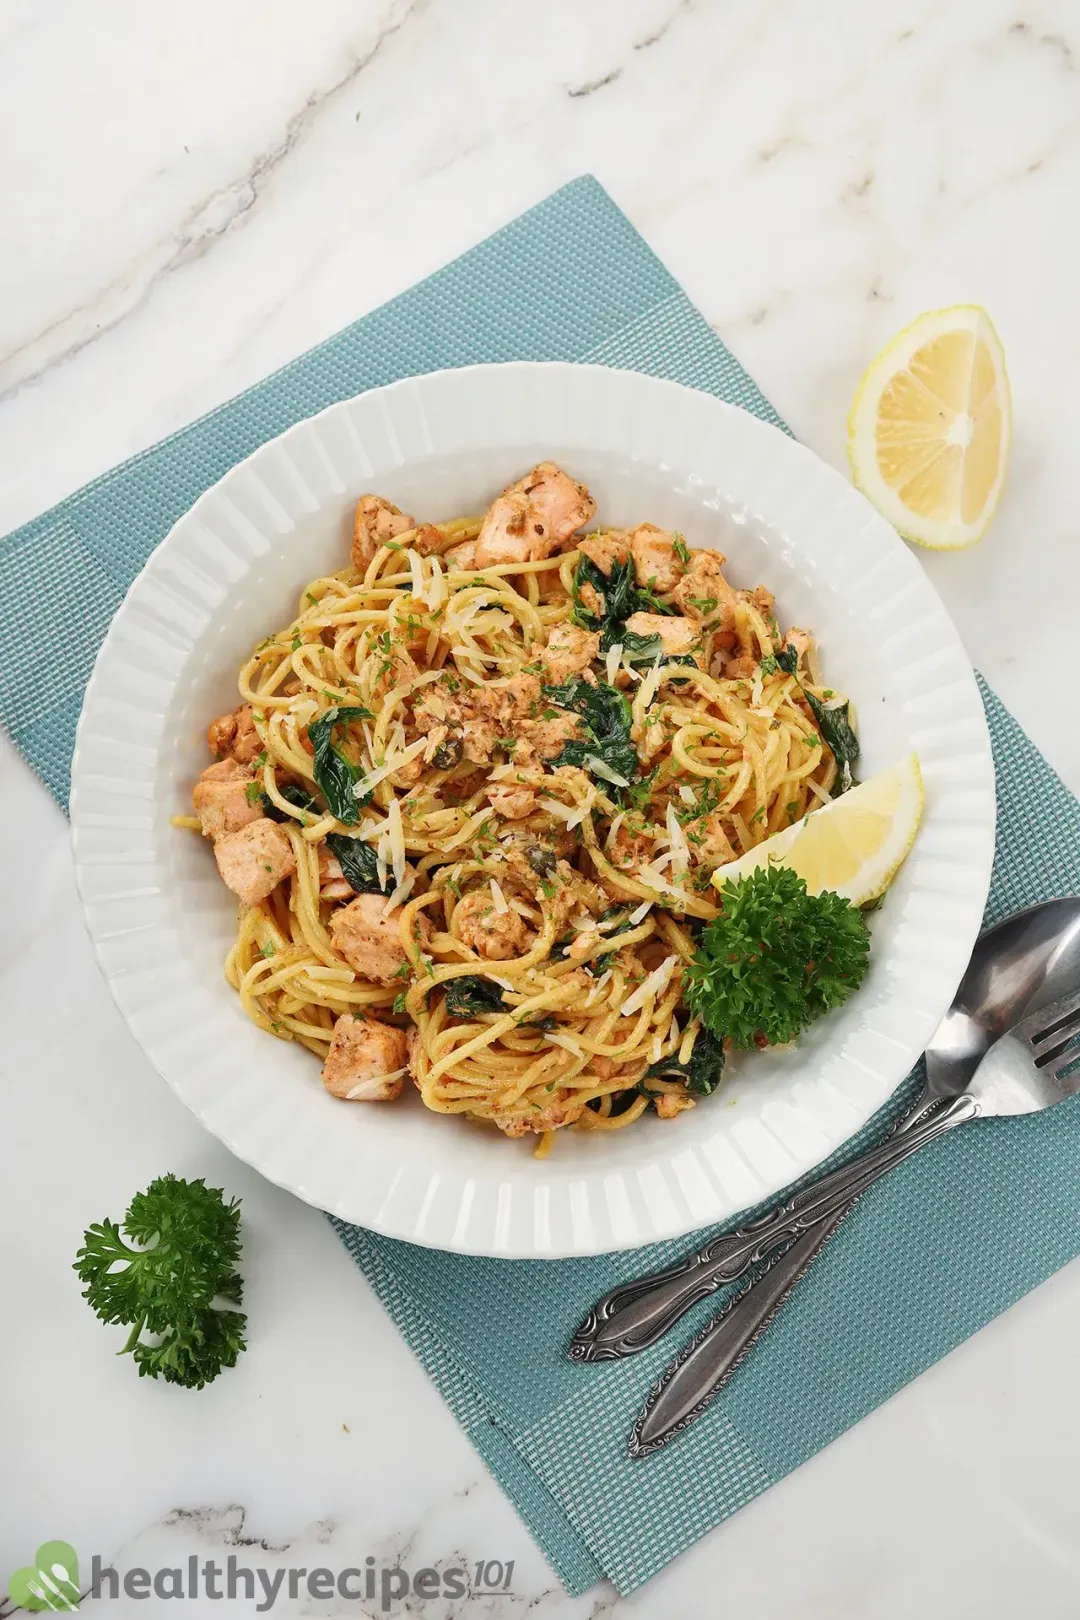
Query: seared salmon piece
531, 518
254, 860
364, 1060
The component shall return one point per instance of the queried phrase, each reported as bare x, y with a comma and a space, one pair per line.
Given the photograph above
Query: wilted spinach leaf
833, 723
703, 1069
335, 774
357, 862
621, 595
469, 995
296, 795
605, 714
638, 649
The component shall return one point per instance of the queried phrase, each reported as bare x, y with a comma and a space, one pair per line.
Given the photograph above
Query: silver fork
1033, 1067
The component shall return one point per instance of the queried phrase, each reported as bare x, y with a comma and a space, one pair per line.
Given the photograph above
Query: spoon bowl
1019, 965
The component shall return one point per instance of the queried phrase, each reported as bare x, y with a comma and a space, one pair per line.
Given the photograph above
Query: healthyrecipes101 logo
50, 1582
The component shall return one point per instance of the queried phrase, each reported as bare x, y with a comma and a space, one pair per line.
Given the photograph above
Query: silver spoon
1034, 1066
1024, 962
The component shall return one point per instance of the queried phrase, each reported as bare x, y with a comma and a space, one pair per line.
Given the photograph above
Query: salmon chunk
511, 800
233, 736
369, 938
704, 594
678, 636
545, 738
709, 842
605, 550
568, 652
532, 517
333, 884
462, 557
376, 522
497, 935
366, 1061
254, 860
226, 797
655, 562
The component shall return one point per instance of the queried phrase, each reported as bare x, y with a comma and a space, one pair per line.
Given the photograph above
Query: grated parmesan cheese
680, 849
402, 892
364, 1088
397, 840
566, 1041
599, 768
390, 764
436, 592
498, 898
640, 912
616, 823
555, 808
612, 662
649, 686
654, 986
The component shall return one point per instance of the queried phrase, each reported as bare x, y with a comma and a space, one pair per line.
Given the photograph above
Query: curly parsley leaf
776, 959
175, 1280
334, 772
357, 862
470, 995
606, 718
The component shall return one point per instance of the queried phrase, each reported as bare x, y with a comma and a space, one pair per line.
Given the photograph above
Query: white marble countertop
190, 197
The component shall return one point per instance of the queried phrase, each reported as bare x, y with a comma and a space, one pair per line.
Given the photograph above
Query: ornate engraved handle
696, 1376
636, 1314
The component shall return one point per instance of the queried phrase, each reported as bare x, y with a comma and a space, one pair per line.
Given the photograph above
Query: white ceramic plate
231, 571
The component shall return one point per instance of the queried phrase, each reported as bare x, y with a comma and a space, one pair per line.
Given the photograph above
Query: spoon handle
688, 1385
745, 1317
636, 1314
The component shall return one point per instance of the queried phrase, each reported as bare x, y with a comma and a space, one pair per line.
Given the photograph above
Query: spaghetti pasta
473, 796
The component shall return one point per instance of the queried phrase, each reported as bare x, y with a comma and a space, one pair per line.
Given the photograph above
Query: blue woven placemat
933, 1253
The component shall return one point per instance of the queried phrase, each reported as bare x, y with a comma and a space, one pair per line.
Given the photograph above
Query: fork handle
702, 1369
739, 1326
633, 1316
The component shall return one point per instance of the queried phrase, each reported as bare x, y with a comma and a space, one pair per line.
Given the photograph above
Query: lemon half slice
930, 428
854, 846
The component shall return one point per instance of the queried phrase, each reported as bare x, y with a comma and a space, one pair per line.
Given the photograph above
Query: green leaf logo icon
51, 1583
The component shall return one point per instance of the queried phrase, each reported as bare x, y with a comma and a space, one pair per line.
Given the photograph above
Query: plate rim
376, 1220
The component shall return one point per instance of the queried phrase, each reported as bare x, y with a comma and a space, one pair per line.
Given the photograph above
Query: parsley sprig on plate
776, 959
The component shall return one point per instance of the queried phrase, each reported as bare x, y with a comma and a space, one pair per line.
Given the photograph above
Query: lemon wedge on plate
930, 428
853, 846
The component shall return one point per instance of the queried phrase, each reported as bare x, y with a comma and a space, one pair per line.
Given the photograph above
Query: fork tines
1051, 1031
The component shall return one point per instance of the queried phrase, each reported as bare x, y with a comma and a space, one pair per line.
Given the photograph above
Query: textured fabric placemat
945, 1243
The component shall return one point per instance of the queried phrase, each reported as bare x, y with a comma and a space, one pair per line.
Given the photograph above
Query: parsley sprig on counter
169, 1274
776, 959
